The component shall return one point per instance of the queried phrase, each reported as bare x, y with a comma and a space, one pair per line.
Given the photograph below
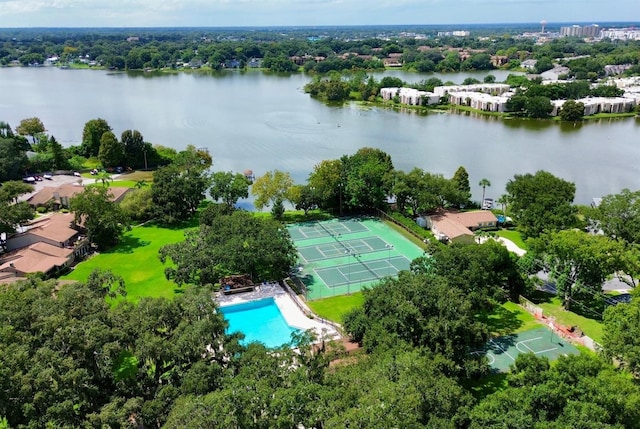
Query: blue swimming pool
259, 321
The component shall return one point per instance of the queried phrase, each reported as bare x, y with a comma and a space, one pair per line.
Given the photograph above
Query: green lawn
336, 307
509, 318
136, 260
553, 307
513, 235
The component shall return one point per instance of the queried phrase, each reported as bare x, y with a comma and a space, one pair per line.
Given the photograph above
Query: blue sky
217, 13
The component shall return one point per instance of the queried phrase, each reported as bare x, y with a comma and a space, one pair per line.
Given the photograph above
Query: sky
247, 13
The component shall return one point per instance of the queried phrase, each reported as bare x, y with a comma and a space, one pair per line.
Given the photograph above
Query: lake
262, 122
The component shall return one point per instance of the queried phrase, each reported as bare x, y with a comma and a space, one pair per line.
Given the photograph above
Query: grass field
136, 261
553, 307
336, 307
509, 318
513, 235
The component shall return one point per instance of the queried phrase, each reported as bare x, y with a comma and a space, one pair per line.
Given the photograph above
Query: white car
47, 176
29, 179
75, 173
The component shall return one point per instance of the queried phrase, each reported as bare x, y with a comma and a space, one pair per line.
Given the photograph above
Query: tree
489, 79
134, 148
460, 181
487, 272
572, 111
303, 197
192, 158
12, 212
621, 341
13, 159
483, 184
31, 127
367, 176
270, 187
111, 152
538, 107
104, 220
576, 260
177, 193
541, 202
229, 187
91, 135
239, 243
428, 313
618, 215
326, 180
138, 204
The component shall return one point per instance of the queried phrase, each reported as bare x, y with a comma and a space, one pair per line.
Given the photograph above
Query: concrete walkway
510, 245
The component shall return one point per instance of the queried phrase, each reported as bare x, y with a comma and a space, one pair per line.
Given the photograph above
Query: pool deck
290, 311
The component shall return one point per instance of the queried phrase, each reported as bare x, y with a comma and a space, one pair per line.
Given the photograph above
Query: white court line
523, 342
303, 233
547, 350
500, 347
488, 354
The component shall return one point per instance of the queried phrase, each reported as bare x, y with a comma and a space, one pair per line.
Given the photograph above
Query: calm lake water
263, 122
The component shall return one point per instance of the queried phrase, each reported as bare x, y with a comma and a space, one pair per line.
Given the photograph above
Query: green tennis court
318, 252
310, 230
502, 351
342, 256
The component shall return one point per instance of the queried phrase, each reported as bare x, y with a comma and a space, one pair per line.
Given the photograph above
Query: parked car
48, 176
75, 173
29, 179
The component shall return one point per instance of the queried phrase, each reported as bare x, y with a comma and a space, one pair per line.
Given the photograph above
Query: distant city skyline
248, 13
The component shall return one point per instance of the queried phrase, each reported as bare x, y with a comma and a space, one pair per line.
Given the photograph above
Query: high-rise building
578, 31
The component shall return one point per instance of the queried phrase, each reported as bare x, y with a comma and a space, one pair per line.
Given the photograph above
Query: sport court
341, 256
502, 351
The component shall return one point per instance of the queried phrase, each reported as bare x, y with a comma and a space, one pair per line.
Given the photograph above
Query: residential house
457, 227
46, 245
58, 198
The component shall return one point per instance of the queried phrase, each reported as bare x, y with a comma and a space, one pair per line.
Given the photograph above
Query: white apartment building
487, 88
480, 100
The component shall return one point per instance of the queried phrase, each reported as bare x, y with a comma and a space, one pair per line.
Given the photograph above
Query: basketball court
502, 351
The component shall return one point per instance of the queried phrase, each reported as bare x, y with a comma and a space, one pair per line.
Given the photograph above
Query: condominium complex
578, 31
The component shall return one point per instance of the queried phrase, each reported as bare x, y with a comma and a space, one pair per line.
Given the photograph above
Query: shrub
41, 210
411, 225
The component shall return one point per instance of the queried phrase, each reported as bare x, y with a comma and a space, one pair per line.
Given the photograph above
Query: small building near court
458, 227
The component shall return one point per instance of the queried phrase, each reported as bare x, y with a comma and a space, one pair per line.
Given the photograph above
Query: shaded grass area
508, 318
136, 260
336, 307
552, 307
513, 235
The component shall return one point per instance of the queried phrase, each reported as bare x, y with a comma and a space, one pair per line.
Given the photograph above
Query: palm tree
484, 183
105, 178
504, 201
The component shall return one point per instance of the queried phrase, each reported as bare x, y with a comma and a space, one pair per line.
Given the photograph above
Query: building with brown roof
58, 198
45, 245
37, 258
55, 198
454, 226
56, 229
